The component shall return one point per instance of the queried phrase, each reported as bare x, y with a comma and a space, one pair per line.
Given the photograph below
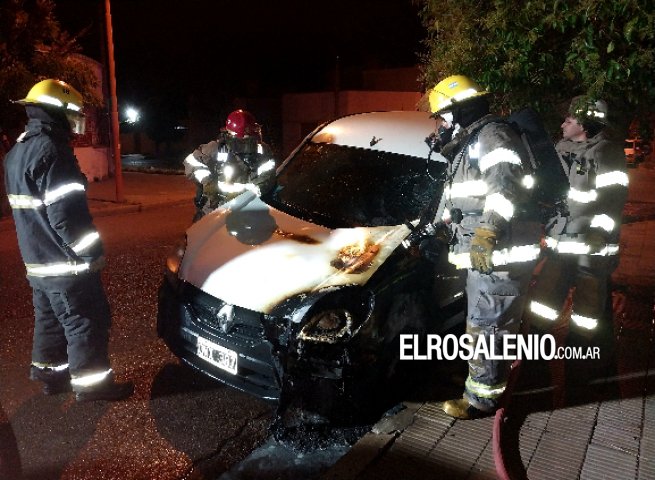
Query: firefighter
496, 229
61, 248
584, 246
237, 161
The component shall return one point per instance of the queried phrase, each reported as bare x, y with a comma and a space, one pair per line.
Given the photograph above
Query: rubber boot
54, 381
461, 408
107, 389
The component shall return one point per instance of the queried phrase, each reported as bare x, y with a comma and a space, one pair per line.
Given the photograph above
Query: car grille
237, 326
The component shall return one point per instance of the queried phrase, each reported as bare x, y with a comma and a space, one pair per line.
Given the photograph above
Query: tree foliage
544, 52
33, 46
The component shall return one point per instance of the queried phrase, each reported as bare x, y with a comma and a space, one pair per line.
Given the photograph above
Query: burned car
304, 291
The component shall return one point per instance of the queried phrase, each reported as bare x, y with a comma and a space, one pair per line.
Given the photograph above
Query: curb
118, 208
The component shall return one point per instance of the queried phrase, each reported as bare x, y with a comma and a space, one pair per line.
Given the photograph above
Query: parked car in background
303, 293
636, 151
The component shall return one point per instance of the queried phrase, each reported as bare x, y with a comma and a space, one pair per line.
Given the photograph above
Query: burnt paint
296, 237
355, 264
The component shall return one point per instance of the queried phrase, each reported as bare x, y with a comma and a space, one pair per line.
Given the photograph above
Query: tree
33, 46
543, 52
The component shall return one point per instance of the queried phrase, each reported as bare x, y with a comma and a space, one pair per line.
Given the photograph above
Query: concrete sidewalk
140, 191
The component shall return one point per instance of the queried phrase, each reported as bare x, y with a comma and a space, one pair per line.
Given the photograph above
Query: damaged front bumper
187, 314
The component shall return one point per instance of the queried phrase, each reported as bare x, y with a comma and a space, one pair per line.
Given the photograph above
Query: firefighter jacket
598, 190
228, 166
46, 192
489, 186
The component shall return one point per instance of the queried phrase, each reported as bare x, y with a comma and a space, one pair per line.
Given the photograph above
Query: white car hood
254, 256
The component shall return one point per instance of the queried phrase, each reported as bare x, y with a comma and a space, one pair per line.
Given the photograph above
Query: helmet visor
77, 122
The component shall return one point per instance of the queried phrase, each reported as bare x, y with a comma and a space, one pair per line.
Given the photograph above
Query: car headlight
174, 260
328, 326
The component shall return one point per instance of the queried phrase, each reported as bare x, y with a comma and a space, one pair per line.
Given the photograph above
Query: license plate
222, 357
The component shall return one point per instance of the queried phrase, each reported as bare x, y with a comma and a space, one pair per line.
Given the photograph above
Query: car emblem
225, 318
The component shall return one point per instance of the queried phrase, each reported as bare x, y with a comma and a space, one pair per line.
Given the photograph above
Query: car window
340, 187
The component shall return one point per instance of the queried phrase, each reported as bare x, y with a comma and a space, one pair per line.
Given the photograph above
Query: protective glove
482, 248
596, 240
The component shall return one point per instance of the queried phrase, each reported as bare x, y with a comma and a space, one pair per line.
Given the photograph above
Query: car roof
402, 132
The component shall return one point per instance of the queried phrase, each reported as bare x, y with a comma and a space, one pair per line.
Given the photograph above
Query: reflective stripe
56, 368
221, 156
228, 171
615, 177
51, 196
88, 380
201, 174
603, 221
474, 150
499, 155
469, 92
472, 188
193, 162
583, 197
55, 269
85, 242
504, 256
551, 242
260, 148
610, 249
24, 201
237, 187
528, 182
445, 215
50, 100
460, 260
585, 322
265, 167
579, 248
498, 203
543, 311
485, 391
517, 254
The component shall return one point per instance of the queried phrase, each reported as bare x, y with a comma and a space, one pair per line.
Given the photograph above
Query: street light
131, 115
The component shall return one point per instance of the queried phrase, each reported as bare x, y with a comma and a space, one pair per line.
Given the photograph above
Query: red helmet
241, 123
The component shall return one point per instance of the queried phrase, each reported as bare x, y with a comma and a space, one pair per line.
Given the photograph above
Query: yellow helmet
58, 94
452, 90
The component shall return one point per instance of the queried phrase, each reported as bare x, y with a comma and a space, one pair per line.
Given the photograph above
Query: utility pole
118, 171
337, 82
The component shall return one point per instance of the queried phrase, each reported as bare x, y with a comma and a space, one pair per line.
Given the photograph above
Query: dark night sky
213, 48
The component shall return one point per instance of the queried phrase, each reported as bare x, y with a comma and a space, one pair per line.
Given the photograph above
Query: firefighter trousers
495, 308
591, 277
71, 325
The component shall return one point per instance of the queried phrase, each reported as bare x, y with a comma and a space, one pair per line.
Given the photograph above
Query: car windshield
341, 187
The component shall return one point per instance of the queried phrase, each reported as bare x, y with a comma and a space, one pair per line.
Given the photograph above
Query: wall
302, 112
93, 162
